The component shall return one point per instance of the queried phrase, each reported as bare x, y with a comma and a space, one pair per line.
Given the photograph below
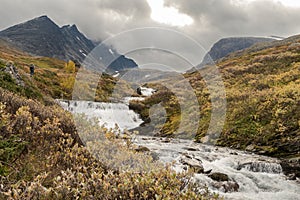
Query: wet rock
166, 140
207, 172
217, 176
195, 165
187, 155
190, 148
154, 155
250, 147
198, 159
139, 91
141, 149
228, 186
291, 167
292, 176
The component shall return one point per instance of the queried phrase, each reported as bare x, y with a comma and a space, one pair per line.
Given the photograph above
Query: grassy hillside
53, 78
263, 100
42, 156
48, 76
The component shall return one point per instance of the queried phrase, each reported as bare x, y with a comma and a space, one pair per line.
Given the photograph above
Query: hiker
31, 69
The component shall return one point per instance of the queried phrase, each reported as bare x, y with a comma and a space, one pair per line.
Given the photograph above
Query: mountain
41, 36
35, 129
225, 46
262, 100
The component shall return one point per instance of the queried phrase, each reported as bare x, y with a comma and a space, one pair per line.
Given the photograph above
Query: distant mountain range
42, 37
226, 46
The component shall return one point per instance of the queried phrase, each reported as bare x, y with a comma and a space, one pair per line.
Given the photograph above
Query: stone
291, 167
250, 147
291, 176
154, 156
142, 149
166, 140
228, 186
190, 149
194, 165
217, 176
187, 155
208, 171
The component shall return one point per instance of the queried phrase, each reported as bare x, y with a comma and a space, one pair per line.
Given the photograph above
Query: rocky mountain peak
43, 37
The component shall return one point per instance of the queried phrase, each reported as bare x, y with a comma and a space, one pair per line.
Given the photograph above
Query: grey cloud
213, 19
260, 18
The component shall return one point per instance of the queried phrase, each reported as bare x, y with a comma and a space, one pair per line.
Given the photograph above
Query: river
250, 176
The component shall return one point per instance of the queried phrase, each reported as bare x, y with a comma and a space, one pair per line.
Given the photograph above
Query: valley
64, 136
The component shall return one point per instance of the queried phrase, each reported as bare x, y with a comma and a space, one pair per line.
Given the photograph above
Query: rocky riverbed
233, 174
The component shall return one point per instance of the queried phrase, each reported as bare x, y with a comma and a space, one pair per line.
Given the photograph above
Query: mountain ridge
226, 46
43, 37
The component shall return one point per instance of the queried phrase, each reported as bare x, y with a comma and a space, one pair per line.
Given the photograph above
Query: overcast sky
206, 21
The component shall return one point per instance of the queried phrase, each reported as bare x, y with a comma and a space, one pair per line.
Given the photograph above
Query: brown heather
42, 157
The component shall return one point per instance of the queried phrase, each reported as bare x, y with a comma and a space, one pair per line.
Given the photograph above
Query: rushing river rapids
250, 176
243, 175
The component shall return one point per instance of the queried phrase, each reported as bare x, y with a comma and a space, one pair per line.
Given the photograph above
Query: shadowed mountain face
42, 37
225, 46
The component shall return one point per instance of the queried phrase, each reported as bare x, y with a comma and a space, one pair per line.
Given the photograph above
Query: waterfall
258, 177
274, 168
109, 114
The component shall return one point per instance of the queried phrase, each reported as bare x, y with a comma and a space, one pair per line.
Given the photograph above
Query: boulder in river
227, 186
291, 167
217, 176
141, 149
222, 182
166, 140
195, 165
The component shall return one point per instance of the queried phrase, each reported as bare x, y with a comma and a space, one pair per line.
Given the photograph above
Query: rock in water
217, 176
141, 149
291, 167
228, 186
195, 165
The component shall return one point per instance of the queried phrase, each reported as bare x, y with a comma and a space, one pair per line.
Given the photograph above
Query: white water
258, 177
262, 179
109, 114
147, 91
